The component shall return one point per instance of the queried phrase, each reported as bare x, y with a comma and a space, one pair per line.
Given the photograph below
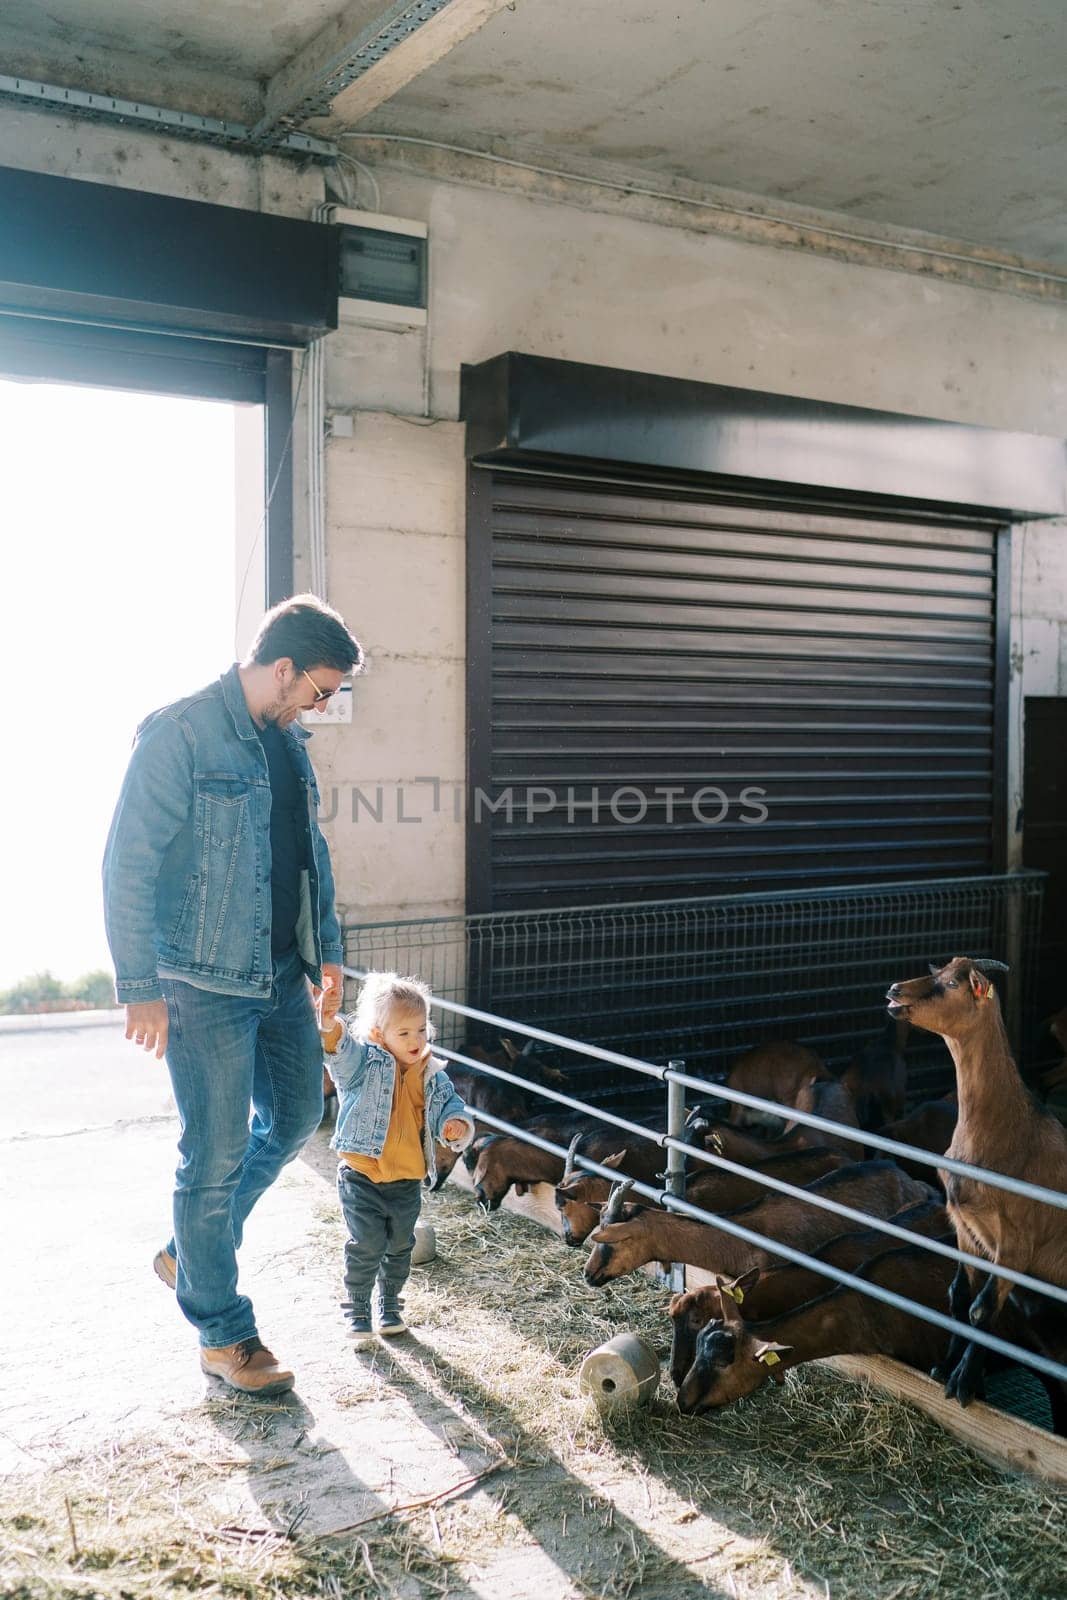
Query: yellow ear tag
716, 1143
736, 1294
770, 1358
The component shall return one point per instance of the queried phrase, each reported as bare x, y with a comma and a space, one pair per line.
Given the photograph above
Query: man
219, 908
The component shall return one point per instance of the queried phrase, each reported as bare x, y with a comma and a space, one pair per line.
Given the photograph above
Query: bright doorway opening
132, 541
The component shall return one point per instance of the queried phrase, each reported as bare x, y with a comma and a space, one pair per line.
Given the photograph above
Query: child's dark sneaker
391, 1320
360, 1332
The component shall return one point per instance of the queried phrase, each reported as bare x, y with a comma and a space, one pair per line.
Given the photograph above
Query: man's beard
273, 713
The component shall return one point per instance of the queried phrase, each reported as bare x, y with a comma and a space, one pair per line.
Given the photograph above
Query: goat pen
1003, 910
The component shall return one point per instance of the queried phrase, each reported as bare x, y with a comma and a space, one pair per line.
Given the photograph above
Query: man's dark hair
310, 633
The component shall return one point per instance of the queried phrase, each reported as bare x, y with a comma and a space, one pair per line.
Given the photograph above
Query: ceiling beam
365, 56
163, 119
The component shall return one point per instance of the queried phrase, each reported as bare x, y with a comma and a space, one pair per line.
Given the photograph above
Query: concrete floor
93, 1345
94, 1351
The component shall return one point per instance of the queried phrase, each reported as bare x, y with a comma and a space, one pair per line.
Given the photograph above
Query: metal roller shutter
827, 679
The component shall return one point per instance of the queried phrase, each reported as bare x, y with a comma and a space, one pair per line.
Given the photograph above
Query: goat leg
989, 1303
960, 1296
967, 1382
1057, 1403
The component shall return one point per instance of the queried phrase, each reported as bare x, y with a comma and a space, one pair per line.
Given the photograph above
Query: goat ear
728, 1287
934, 968
980, 985
615, 1160
769, 1354
738, 1287
509, 1050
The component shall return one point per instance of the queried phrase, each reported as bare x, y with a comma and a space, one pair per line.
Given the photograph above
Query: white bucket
425, 1247
624, 1372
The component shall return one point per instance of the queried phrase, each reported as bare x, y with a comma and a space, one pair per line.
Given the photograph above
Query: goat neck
734, 1358
990, 1090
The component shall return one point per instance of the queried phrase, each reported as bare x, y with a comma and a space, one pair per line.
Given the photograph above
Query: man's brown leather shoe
165, 1268
248, 1367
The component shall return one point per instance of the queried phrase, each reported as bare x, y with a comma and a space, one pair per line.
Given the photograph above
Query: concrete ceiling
252, 37
921, 113
948, 116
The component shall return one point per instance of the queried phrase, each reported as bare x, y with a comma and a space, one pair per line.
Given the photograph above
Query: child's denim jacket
365, 1074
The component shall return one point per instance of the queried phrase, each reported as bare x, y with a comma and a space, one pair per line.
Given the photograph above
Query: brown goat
776, 1071
929, 1127
581, 1197
481, 1092
734, 1358
745, 1147
876, 1077
1056, 1077
503, 1160
878, 1187
776, 1290
1003, 1128
834, 1102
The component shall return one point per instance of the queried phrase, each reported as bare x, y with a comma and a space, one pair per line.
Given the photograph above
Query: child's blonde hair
383, 994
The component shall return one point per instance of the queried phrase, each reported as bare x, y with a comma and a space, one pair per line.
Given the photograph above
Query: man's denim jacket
187, 864
365, 1075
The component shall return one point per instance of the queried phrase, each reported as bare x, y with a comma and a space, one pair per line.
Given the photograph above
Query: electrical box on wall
338, 708
383, 269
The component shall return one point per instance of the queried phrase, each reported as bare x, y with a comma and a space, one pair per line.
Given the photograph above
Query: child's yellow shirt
402, 1154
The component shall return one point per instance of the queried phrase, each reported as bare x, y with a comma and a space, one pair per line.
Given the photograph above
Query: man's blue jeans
228, 1055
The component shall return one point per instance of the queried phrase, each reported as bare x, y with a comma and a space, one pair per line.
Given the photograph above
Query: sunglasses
321, 695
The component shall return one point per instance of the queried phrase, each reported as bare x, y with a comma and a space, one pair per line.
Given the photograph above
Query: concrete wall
68, 147
514, 273
549, 277
396, 554
1038, 642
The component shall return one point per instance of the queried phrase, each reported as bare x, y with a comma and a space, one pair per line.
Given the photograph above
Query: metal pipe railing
1038, 1285
998, 1180
877, 1141
676, 1154
889, 1297
671, 1140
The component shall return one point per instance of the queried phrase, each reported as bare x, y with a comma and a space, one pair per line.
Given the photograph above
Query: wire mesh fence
705, 979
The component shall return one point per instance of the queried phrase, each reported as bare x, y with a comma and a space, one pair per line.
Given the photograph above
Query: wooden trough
999, 1438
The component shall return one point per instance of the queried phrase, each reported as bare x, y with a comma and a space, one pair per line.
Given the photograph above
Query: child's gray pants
381, 1222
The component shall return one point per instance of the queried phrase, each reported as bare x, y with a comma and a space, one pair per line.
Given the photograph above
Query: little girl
395, 1102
